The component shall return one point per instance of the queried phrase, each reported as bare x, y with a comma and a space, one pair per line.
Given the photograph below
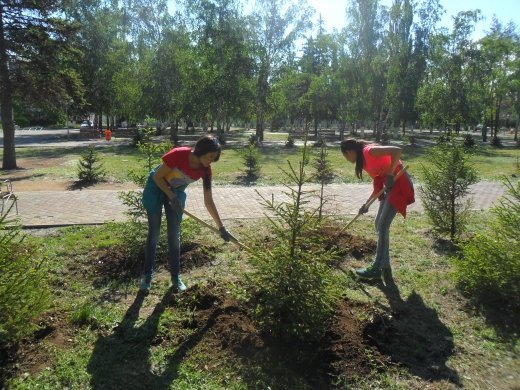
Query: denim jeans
174, 241
384, 218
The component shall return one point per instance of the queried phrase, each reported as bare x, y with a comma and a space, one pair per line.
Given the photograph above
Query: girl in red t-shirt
381, 163
165, 188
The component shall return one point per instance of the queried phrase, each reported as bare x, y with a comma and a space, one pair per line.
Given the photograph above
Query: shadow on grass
122, 360
501, 314
413, 336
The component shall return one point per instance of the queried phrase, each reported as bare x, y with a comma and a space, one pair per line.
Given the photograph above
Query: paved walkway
81, 207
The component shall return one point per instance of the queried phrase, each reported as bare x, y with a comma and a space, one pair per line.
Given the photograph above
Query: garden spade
211, 227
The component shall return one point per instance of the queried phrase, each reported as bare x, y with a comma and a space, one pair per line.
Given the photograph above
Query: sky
333, 12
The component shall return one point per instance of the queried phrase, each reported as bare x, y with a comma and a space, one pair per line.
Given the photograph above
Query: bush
469, 141
447, 178
489, 268
24, 293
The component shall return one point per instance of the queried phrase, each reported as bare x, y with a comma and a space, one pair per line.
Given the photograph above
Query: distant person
381, 163
165, 188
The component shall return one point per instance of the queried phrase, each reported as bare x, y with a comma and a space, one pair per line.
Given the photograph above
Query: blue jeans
174, 240
384, 218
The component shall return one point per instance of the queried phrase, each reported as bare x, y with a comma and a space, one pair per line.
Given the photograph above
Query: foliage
250, 156
152, 152
489, 267
290, 141
148, 147
469, 141
290, 283
447, 177
496, 142
38, 62
24, 293
90, 170
324, 174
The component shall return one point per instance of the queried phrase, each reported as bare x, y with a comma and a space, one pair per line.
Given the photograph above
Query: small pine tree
324, 174
90, 170
24, 293
447, 178
290, 141
489, 268
251, 158
290, 282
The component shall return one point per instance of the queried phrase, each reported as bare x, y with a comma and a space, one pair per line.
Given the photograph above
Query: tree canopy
212, 64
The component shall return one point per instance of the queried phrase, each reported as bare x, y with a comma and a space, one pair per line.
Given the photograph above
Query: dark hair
357, 146
207, 144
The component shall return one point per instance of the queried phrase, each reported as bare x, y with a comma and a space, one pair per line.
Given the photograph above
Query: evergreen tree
90, 170
35, 62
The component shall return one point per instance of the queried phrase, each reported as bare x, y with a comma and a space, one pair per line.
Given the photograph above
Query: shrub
496, 142
469, 141
152, 153
250, 157
24, 293
323, 173
489, 268
90, 170
411, 140
290, 141
447, 178
290, 282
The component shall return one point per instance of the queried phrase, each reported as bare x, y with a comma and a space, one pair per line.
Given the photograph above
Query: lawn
118, 159
418, 332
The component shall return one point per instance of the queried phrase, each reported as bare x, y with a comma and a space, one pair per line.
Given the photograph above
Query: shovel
211, 227
372, 199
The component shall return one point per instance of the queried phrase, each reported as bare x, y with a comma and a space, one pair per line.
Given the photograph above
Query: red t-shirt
402, 193
178, 159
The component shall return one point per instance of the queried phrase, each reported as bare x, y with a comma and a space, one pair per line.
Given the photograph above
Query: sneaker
176, 285
146, 283
369, 273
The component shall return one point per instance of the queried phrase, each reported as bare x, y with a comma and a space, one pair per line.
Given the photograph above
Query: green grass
120, 159
104, 344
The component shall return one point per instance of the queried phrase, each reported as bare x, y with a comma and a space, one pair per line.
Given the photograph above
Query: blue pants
174, 240
384, 218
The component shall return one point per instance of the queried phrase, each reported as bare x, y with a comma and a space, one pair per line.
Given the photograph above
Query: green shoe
146, 283
369, 273
176, 285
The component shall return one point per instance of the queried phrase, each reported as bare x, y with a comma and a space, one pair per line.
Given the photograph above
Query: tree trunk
6, 102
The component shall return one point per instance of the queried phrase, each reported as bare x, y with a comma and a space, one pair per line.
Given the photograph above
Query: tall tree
223, 58
499, 55
444, 97
276, 25
363, 39
35, 50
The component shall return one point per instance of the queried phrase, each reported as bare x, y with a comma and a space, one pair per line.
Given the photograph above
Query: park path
83, 207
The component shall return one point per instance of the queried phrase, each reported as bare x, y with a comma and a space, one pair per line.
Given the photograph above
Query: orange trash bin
108, 134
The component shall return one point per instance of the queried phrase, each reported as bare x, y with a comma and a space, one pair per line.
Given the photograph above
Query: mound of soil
228, 328
346, 243
115, 264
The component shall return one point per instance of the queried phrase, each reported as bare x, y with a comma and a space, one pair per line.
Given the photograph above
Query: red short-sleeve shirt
178, 159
